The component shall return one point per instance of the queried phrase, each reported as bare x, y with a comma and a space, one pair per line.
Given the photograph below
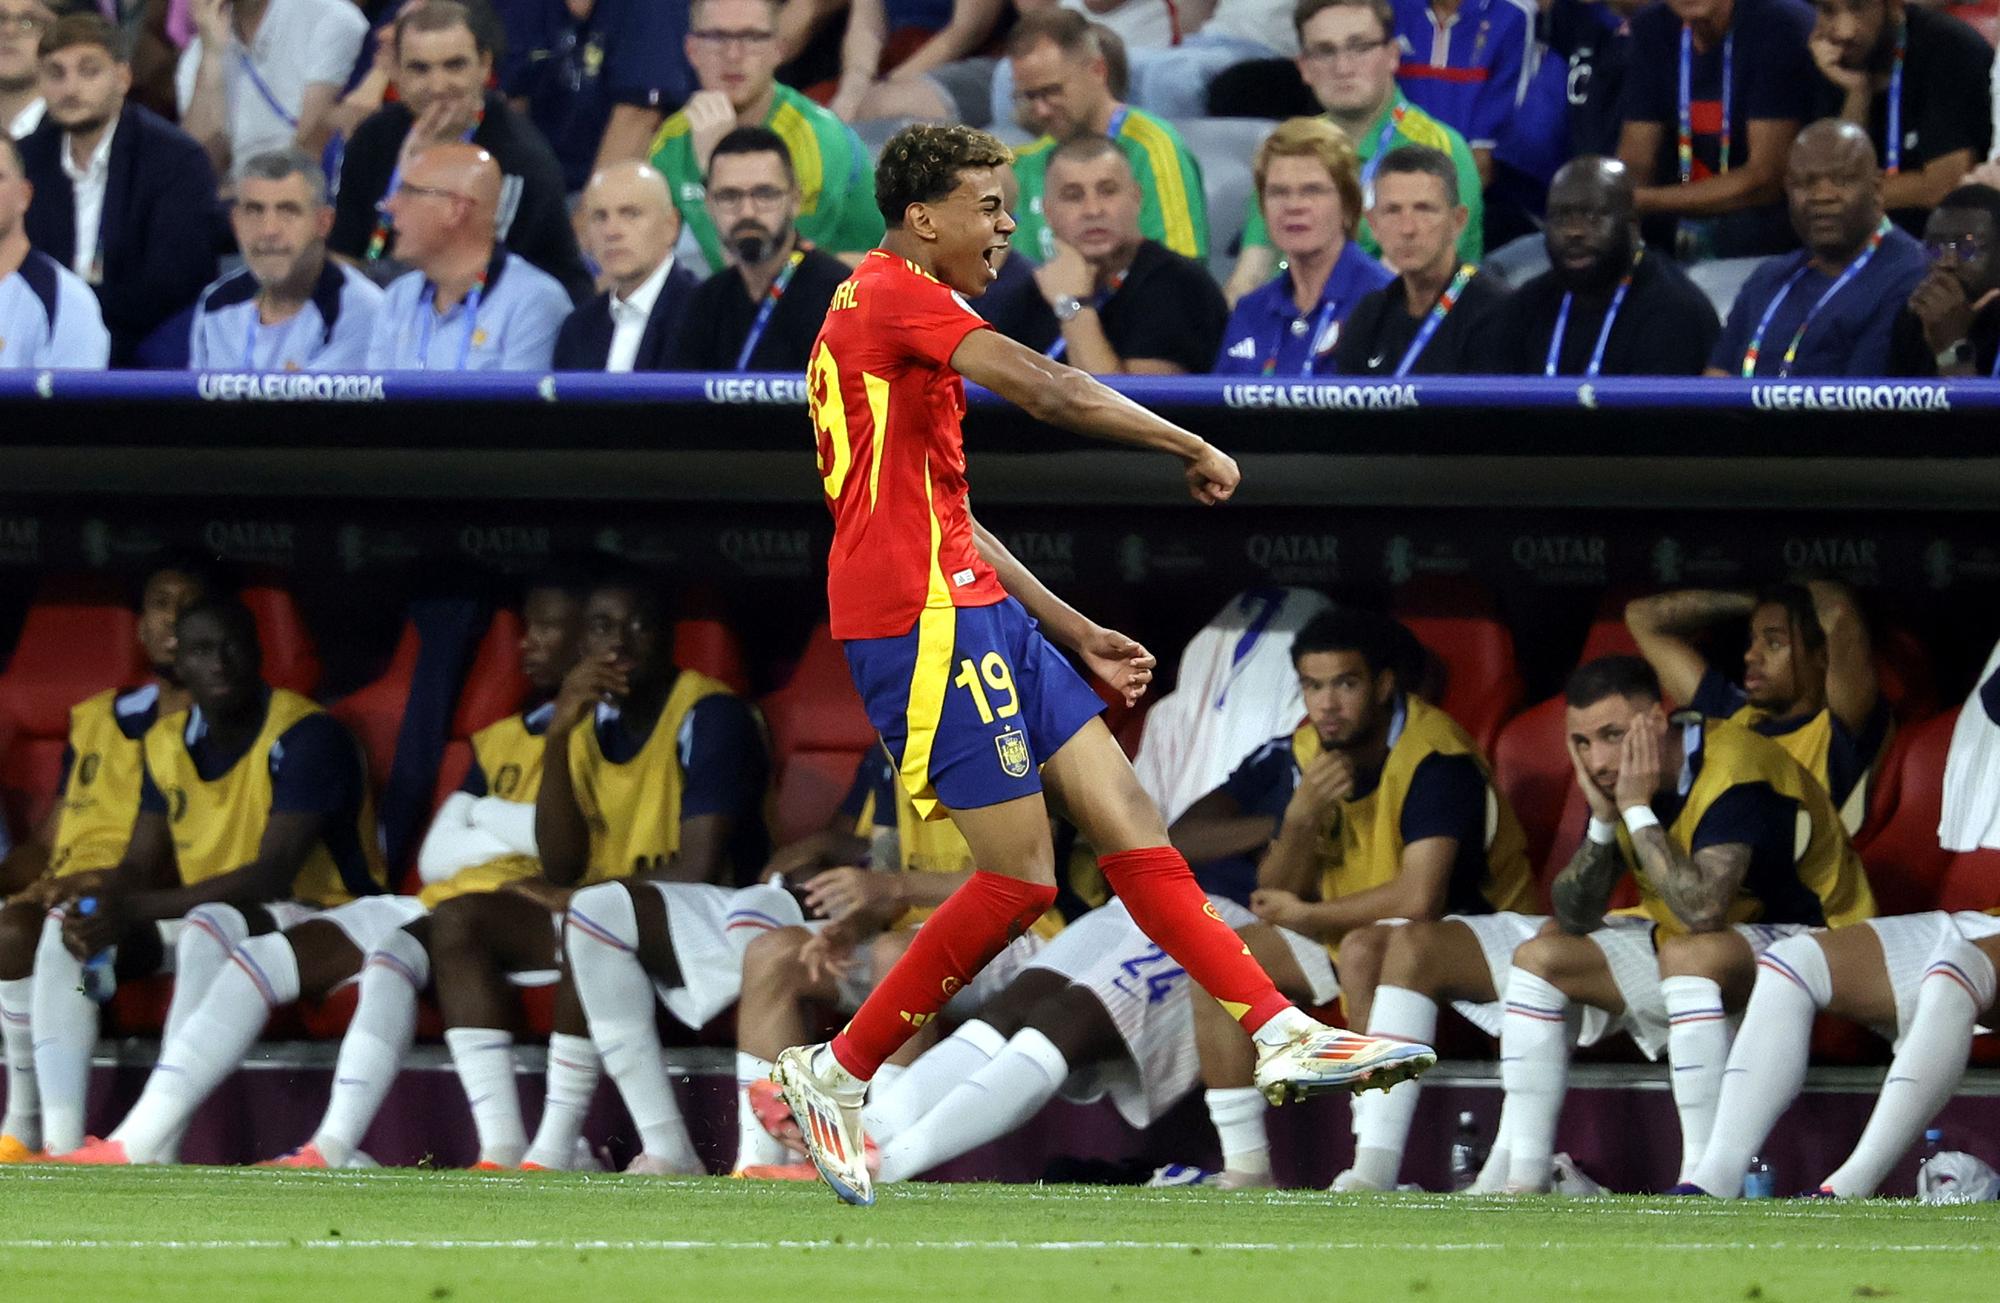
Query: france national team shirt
330, 333
1268, 335
1848, 754
1467, 70
724, 768
50, 318
507, 323
1846, 334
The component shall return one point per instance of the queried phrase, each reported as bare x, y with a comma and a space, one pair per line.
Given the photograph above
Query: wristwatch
1957, 355
1067, 307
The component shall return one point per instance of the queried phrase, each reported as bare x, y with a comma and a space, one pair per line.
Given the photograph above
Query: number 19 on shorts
992, 668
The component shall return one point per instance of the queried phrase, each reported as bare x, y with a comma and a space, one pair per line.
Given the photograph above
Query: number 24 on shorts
993, 668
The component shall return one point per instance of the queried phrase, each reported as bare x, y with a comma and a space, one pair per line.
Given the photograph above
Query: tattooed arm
1582, 891
1698, 888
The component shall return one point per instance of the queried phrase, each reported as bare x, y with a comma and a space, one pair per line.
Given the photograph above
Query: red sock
1168, 905
954, 943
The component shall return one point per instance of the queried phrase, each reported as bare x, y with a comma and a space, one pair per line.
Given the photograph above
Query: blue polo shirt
330, 333
520, 308
1468, 70
50, 318
1848, 337
1267, 324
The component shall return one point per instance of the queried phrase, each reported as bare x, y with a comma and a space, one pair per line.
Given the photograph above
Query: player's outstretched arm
1062, 395
1122, 663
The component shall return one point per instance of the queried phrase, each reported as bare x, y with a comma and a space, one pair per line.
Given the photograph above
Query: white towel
1971, 814
1236, 691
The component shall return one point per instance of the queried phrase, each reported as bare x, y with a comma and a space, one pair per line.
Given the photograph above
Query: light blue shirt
512, 326
330, 333
50, 318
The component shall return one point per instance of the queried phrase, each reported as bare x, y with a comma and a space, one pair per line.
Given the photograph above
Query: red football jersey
886, 408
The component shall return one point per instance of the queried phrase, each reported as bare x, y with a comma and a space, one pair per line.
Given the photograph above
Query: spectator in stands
1819, 312
48, 316
1434, 318
1121, 27
75, 847
22, 23
630, 226
1605, 306
733, 48
1173, 82
254, 806
1915, 78
1714, 92
1467, 66
1808, 675
1377, 807
597, 77
1062, 89
1309, 191
763, 312
261, 75
1951, 325
1348, 56
291, 308
1116, 302
149, 253
898, 41
443, 61
466, 304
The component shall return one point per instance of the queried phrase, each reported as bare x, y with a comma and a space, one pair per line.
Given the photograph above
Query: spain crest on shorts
1013, 747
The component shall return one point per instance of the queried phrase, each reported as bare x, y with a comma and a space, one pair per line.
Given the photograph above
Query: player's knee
1362, 953
600, 916
208, 929
1800, 961
771, 962
1958, 960
1721, 957
1410, 955
1556, 959
51, 951
20, 929
1075, 1023
458, 931
404, 955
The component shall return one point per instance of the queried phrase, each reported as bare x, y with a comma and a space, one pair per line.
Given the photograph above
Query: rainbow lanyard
277, 348
771, 297
427, 313
1685, 144
1895, 141
378, 240
1603, 332
1320, 322
1845, 278
1439, 311
1382, 139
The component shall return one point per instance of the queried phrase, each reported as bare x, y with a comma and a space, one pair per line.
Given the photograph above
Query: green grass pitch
224, 1234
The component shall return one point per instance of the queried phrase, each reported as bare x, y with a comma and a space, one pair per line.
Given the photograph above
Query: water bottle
1933, 1145
99, 982
1467, 1154
1759, 1182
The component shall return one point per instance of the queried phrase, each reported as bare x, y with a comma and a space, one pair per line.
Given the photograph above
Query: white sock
209, 934
1238, 1115
1698, 1034
384, 1028
1382, 1123
1493, 1176
484, 1059
24, 1097
1534, 1068
753, 911
65, 1023
936, 1073
755, 1146
886, 1076
1285, 1026
991, 1103
263, 975
572, 1081
1928, 1066
602, 939
1767, 1064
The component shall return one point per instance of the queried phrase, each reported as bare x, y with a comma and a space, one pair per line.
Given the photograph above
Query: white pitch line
867, 1245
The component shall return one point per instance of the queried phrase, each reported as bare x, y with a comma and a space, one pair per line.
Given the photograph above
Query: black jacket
584, 343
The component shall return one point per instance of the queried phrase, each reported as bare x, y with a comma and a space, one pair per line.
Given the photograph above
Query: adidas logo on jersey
1244, 348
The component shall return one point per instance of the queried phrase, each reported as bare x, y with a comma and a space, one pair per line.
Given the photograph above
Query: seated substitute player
1729, 792
661, 774
254, 815
972, 701
1378, 807
85, 834
1808, 676
481, 839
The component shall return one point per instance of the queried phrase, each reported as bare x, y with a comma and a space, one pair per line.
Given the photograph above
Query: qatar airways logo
267, 542
768, 553
504, 542
1295, 558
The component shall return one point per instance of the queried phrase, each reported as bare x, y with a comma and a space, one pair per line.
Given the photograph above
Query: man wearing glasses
1951, 325
22, 23
763, 312
733, 47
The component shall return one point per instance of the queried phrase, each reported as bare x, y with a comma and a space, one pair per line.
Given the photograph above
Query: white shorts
1628, 949
1909, 942
1499, 936
367, 921
1322, 984
861, 978
1146, 994
711, 970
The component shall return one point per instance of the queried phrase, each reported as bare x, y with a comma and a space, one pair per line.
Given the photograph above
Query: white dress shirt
28, 118
629, 317
88, 184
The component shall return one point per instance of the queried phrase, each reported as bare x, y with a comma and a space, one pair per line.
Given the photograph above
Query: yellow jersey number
993, 668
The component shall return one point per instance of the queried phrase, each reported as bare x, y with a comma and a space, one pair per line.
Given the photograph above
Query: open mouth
991, 256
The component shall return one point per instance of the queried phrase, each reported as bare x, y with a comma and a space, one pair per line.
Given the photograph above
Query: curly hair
921, 165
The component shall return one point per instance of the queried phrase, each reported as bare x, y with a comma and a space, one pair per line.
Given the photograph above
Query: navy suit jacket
159, 226
584, 342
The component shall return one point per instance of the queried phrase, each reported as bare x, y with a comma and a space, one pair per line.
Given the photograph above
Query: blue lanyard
771, 297
1894, 163
1684, 145
277, 349
427, 313
1435, 318
1117, 121
1321, 320
1603, 331
263, 88
1853, 269
1382, 139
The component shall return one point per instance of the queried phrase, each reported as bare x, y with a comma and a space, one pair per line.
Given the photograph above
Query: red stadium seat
1903, 669
1458, 624
494, 685
374, 713
818, 734
1900, 842
711, 647
1971, 881
290, 658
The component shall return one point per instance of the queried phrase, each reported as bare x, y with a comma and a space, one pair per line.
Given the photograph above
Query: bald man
630, 225
1605, 306
1819, 311
466, 304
